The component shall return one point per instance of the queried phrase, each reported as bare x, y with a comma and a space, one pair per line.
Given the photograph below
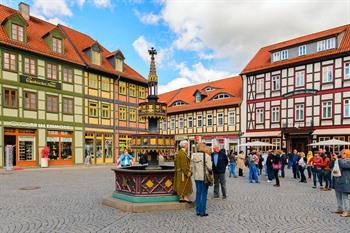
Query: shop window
29, 66
9, 61
67, 74
57, 45
93, 81
108, 146
93, 109
98, 143
122, 88
122, 113
51, 71
105, 84
52, 103
106, 111
17, 32
10, 98
60, 144
26, 148
30, 100
132, 114
68, 105
132, 90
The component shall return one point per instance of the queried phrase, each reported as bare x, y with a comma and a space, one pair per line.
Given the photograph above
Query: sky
197, 40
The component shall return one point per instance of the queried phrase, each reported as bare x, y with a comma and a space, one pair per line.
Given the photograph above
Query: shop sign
34, 125
180, 137
40, 82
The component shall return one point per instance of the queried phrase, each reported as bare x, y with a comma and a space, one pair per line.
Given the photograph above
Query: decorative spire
152, 76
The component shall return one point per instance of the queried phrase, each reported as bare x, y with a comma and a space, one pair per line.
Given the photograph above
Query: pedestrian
264, 157
276, 166
341, 184
143, 159
290, 159
240, 163
202, 165
126, 158
219, 162
260, 164
317, 163
269, 168
253, 160
301, 167
326, 172
295, 159
232, 158
284, 163
183, 173
309, 164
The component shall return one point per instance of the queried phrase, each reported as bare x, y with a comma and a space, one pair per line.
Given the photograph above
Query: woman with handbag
276, 166
301, 167
202, 166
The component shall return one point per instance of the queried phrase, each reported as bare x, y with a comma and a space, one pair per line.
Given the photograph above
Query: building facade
297, 92
60, 88
208, 110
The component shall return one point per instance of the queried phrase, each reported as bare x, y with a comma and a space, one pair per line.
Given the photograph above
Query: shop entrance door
299, 144
10, 140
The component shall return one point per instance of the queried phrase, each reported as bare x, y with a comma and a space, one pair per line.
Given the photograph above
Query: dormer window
276, 56
178, 103
56, 45
17, 32
119, 64
209, 89
284, 54
198, 97
221, 96
302, 50
96, 57
326, 44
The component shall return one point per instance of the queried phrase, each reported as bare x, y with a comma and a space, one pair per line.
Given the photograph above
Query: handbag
336, 169
276, 166
208, 176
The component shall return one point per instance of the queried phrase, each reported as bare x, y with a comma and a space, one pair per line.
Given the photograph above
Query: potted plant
45, 156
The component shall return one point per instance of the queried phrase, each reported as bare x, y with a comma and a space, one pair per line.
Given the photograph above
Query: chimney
24, 10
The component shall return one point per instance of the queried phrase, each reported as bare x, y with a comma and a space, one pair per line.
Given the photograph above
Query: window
276, 56
198, 97
181, 122
60, 144
260, 88
142, 92
302, 50
96, 57
132, 90
29, 66
10, 98
231, 118
178, 103
122, 113
93, 81
67, 74
209, 120
326, 109
106, 111
347, 70
276, 83
299, 112
30, 100
132, 114
51, 71
164, 125
52, 103
17, 32
300, 78
327, 74
259, 116
105, 84
190, 122
172, 123
199, 121
276, 142
119, 64
9, 61
122, 88
220, 119
284, 54
221, 96
275, 111
209, 89
67, 106
346, 108
93, 109
56, 45
326, 44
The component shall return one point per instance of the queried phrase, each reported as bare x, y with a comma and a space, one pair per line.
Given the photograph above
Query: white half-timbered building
298, 91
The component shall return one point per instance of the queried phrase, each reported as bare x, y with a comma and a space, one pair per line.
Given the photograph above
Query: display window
60, 144
99, 148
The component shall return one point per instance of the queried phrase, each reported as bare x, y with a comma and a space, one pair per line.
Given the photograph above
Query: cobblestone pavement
69, 201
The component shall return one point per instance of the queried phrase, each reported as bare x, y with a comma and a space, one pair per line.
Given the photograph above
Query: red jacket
327, 164
318, 162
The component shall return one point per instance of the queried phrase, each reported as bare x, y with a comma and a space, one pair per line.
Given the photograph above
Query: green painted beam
138, 199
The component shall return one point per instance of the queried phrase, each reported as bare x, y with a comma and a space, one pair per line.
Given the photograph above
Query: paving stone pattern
69, 201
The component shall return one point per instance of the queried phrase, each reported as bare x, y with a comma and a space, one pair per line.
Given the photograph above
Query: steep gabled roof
232, 86
261, 60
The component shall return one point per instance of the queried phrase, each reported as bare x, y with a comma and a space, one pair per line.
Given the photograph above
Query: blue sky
197, 41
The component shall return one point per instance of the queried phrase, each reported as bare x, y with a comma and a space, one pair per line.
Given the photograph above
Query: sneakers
276, 185
345, 214
269, 181
313, 187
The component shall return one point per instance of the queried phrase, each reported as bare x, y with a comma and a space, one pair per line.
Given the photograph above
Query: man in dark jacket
219, 161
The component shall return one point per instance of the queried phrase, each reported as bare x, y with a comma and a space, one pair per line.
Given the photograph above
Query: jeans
296, 173
232, 169
343, 201
201, 197
316, 173
270, 174
253, 173
219, 178
282, 170
309, 172
328, 179
240, 171
275, 172
302, 174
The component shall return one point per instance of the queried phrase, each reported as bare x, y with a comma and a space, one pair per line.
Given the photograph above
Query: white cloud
52, 8
148, 18
193, 75
141, 46
102, 3
235, 30
81, 2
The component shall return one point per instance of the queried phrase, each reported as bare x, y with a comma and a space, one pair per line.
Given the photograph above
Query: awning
262, 134
342, 131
